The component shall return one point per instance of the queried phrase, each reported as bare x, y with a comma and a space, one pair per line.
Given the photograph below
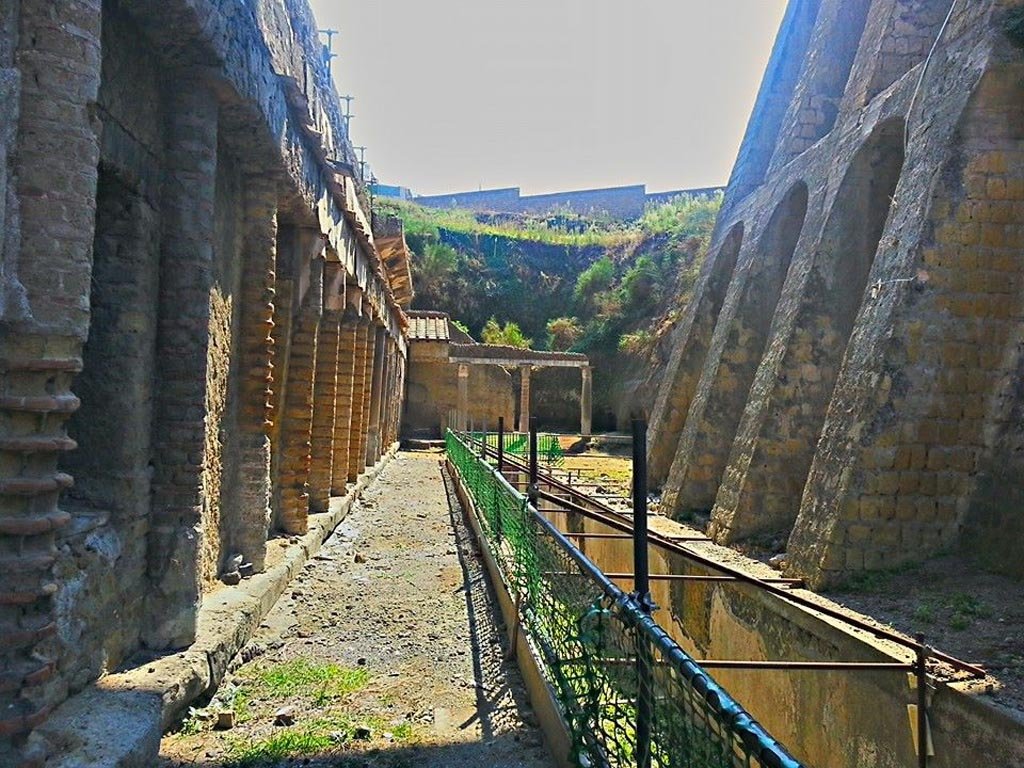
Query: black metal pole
501, 443
642, 586
922, 703
640, 560
531, 491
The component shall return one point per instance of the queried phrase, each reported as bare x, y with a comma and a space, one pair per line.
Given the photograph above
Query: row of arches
775, 333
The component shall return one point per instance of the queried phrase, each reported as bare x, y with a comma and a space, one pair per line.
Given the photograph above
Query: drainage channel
628, 694
787, 652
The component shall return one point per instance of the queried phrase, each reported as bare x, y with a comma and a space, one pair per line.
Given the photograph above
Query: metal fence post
921, 672
533, 489
641, 576
501, 444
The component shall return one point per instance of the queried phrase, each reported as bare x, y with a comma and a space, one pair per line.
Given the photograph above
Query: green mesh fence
517, 444
618, 676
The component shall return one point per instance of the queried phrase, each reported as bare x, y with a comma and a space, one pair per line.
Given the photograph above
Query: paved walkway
386, 651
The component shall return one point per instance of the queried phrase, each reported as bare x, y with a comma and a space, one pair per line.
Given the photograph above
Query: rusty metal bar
613, 519
699, 577
792, 666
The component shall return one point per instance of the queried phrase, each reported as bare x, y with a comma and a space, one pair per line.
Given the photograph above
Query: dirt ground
387, 651
959, 608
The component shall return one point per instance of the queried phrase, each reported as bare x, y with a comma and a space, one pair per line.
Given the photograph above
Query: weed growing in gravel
925, 613
300, 676
320, 736
965, 609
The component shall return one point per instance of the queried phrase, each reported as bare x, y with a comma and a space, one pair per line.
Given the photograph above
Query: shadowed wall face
729, 370
686, 363
761, 496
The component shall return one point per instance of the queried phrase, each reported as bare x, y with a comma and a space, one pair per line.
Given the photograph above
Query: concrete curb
117, 721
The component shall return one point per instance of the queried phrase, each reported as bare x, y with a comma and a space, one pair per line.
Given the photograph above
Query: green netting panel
517, 444
610, 664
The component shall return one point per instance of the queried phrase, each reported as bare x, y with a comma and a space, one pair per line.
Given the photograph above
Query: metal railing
629, 694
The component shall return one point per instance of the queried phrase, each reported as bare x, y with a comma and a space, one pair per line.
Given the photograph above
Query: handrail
616, 520
749, 736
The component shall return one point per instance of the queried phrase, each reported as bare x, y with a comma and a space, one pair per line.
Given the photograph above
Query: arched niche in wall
716, 412
815, 107
830, 302
665, 436
768, 270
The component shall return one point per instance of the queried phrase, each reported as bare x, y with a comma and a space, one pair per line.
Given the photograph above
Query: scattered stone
778, 562
362, 733
360, 557
225, 720
284, 716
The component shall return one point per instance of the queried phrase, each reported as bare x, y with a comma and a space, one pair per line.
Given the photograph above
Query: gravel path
386, 651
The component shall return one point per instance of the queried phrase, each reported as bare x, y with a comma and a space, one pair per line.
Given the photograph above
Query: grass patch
322, 682
320, 736
965, 609
924, 613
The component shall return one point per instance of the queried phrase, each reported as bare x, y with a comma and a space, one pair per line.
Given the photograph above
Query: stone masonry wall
433, 394
165, 217
875, 422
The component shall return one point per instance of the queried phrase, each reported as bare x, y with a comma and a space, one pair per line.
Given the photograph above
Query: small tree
563, 333
598, 277
509, 335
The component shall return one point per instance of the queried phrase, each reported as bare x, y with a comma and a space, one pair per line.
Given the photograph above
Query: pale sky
550, 95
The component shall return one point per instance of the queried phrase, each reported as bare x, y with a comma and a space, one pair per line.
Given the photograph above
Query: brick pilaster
251, 506
325, 409
373, 427
347, 342
175, 540
298, 418
44, 321
360, 391
364, 434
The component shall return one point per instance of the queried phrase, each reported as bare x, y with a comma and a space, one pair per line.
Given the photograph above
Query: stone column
325, 409
344, 392
387, 396
462, 418
373, 434
179, 429
524, 398
364, 431
586, 401
356, 436
44, 318
251, 505
297, 428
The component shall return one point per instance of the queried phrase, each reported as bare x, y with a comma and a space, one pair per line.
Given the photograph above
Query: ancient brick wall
861, 412
166, 222
433, 392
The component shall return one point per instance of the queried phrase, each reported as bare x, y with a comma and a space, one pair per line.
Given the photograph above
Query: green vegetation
299, 676
563, 333
323, 735
509, 335
608, 289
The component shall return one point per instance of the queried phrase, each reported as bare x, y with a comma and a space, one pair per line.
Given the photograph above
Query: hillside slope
610, 290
